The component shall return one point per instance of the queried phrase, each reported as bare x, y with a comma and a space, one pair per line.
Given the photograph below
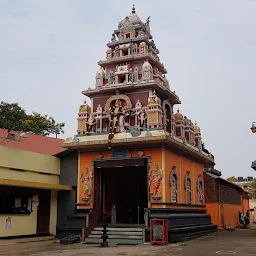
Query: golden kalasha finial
133, 9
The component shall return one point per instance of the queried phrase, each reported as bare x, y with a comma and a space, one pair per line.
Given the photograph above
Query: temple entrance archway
122, 190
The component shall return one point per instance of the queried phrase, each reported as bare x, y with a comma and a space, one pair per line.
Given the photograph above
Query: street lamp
253, 128
254, 165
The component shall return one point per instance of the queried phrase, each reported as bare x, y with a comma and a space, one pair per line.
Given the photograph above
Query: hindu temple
137, 159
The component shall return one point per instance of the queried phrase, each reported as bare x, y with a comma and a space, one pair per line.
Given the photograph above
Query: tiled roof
35, 143
225, 181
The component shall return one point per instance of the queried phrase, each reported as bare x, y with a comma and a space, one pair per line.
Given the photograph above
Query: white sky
49, 51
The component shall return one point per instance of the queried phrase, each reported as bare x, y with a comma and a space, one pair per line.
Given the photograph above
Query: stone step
114, 232
112, 241
120, 236
120, 229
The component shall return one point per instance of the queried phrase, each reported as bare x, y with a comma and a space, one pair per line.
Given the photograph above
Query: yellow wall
29, 161
27, 224
20, 224
35, 167
32, 167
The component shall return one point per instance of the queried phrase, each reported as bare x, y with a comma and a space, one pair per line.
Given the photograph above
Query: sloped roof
34, 143
225, 181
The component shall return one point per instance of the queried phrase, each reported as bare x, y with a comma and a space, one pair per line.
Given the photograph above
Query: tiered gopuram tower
134, 152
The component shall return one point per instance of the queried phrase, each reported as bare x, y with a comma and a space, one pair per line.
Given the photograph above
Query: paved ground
239, 242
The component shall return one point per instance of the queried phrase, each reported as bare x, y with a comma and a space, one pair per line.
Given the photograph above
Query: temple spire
133, 9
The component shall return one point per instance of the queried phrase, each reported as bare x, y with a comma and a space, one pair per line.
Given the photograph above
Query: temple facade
137, 159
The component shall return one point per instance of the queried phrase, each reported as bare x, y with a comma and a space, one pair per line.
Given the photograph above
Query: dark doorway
168, 118
123, 193
43, 211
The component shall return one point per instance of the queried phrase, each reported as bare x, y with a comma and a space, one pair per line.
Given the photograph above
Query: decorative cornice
112, 88
134, 57
157, 138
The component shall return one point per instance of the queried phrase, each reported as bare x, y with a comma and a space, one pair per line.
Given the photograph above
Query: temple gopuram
137, 159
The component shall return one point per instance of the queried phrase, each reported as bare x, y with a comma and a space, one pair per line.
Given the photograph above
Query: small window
200, 191
121, 79
174, 186
188, 189
178, 131
125, 52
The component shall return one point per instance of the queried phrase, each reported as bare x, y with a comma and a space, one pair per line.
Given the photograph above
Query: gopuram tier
136, 155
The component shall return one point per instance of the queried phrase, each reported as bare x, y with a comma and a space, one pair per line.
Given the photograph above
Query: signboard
157, 232
35, 201
8, 223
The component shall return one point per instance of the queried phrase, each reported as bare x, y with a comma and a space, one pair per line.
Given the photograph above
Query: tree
13, 117
252, 184
252, 188
232, 179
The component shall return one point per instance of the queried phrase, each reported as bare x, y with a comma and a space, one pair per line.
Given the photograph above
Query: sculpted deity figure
174, 188
200, 192
132, 48
86, 180
155, 181
142, 118
116, 119
117, 51
90, 124
99, 109
130, 76
141, 34
111, 78
113, 38
188, 190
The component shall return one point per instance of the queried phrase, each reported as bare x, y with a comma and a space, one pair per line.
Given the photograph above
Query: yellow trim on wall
30, 184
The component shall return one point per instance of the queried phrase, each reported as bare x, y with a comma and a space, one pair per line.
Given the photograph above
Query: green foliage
13, 117
252, 185
232, 179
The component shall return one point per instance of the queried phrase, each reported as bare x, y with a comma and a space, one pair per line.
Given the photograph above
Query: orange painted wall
182, 165
230, 213
246, 205
214, 210
165, 159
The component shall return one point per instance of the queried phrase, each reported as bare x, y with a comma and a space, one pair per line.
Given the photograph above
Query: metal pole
138, 215
104, 231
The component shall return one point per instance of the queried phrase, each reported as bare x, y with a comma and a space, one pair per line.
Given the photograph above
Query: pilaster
164, 175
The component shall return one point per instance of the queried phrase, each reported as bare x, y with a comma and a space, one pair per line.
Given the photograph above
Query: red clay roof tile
35, 143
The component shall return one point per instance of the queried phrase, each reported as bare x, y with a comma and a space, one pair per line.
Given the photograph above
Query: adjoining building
245, 184
137, 160
223, 200
29, 183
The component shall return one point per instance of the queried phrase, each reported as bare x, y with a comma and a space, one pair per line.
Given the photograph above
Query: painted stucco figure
155, 181
86, 181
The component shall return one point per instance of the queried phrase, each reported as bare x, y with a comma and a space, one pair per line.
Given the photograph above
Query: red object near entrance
158, 231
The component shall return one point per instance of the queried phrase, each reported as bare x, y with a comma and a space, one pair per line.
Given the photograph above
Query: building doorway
43, 211
123, 191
